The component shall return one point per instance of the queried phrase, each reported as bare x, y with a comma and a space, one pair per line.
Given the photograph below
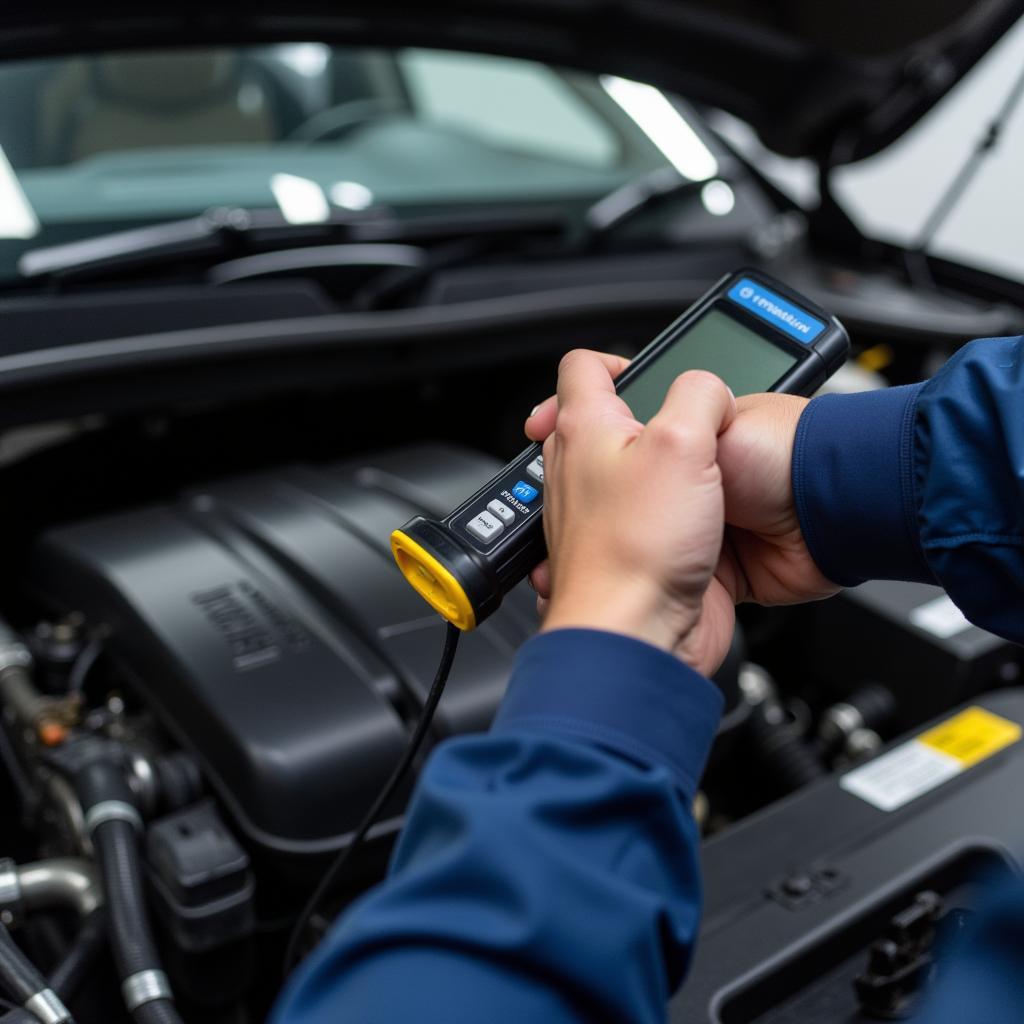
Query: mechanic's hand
633, 514
765, 559
764, 543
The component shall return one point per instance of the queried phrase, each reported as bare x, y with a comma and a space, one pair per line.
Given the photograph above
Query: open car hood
835, 80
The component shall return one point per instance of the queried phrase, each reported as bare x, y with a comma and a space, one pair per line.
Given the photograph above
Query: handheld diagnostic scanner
753, 332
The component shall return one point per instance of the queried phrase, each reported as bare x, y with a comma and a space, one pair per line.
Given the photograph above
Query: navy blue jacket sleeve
927, 483
548, 870
924, 483
980, 976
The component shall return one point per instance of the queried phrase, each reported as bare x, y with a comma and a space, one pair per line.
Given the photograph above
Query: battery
909, 637
796, 896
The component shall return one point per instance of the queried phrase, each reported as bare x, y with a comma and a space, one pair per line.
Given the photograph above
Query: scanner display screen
745, 360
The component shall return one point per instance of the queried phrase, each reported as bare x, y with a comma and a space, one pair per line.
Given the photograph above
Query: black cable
22, 980
17, 973
80, 958
19, 1016
83, 664
451, 642
954, 192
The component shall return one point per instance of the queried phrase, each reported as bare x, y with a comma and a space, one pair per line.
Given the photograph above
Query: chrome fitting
111, 810
10, 885
145, 987
47, 1007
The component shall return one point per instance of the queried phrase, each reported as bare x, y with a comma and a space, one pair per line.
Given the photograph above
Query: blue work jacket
548, 869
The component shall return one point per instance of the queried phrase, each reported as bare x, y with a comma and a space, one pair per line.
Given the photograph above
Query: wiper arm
217, 232
225, 233
627, 201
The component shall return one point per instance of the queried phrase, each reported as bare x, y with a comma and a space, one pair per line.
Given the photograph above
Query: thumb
697, 408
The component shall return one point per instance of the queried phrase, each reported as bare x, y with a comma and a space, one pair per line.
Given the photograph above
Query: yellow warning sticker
972, 736
927, 761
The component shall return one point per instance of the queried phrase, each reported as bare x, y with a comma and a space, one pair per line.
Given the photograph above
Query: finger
541, 421
540, 579
697, 408
585, 391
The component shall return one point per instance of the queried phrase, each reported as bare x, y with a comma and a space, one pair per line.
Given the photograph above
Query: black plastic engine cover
795, 895
264, 620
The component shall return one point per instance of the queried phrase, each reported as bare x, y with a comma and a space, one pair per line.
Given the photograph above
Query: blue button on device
524, 492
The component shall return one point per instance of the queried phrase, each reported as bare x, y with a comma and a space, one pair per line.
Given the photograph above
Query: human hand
765, 559
766, 553
633, 514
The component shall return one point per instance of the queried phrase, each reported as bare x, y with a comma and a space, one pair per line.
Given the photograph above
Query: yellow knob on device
433, 581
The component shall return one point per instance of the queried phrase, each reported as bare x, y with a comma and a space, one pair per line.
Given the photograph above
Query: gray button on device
502, 511
485, 526
536, 468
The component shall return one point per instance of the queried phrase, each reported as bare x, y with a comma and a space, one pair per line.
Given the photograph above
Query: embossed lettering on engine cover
251, 644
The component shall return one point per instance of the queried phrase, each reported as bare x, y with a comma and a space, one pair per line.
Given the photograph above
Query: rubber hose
117, 853
18, 1016
19, 977
78, 961
160, 1011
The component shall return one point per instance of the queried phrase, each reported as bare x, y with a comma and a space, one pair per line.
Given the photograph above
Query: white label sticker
940, 617
934, 757
902, 775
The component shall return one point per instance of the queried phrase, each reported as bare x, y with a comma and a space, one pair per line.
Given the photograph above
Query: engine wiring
334, 872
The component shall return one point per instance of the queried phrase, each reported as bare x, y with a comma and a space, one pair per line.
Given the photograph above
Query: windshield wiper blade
226, 233
217, 232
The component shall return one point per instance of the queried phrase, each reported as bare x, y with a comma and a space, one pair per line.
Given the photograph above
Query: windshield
118, 140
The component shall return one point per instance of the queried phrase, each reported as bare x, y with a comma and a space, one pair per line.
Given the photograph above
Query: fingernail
533, 411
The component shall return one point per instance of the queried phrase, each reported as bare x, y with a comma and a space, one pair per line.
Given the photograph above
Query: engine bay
209, 663
247, 661
269, 288
243, 663
261, 619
